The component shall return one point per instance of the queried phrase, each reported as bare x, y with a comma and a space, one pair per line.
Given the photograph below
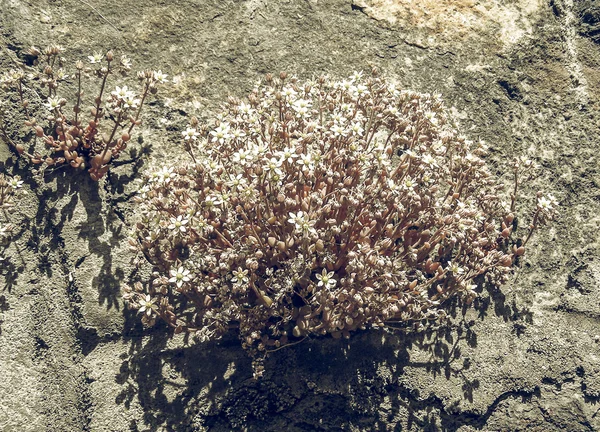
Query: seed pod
319, 246
386, 243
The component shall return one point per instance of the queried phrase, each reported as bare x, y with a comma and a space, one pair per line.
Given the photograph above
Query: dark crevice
358, 8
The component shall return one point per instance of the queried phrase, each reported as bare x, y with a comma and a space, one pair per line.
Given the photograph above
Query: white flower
455, 269
221, 133
289, 92
301, 223
411, 154
243, 157
307, 227
344, 85
96, 58
240, 276
431, 116
238, 133
381, 157
306, 162
164, 175
547, 204
326, 279
287, 155
470, 289
190, 134
238, 182
147, 305
393, 110
15, 182
131, 102
259, 149
272, 167
359, 90
245, 108
275, 180
429, 160
338, 118
393, 186
153, 236
178, 224
470, 157
223, 197
61, 75
356, 76
125, 62
338, 130
356, 129
212, 201
179, 276
296, 218
159, 76
53, 103
302, 107
122, 93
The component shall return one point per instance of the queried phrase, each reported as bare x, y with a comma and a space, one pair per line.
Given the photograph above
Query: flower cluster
319, 208
11, 189
90, 142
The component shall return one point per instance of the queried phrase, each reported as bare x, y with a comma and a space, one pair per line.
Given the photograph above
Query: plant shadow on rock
319, 384
59, 194
107, 279
13, 265
4, 306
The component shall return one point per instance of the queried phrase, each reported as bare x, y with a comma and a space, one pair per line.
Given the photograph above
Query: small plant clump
321, 208
87, 139
11, 190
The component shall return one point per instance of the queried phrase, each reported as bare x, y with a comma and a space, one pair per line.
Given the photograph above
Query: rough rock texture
522, 75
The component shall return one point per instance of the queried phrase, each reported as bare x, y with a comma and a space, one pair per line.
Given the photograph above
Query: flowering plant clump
320, 208
11, 190
82, 142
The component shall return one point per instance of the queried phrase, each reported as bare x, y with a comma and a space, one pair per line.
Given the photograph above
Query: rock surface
522, 75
